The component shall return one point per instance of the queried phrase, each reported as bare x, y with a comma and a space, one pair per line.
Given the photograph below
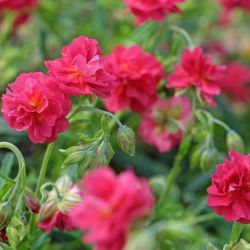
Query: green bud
196, 156
242, 245
208, 158
235, 142
6, 211
15, 231
126, 140
104, 154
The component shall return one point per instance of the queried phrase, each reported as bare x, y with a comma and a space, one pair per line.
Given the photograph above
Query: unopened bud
6, 211
208, 158
73, 154
3, 236
104, 154
31, 202
235, 142
126, 140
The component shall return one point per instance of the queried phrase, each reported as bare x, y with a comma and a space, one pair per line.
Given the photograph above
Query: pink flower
34, 103
229, 193
137, 73
54, 212
80, 70
160, 125
110, 204
197, 70
152, 9
235, 82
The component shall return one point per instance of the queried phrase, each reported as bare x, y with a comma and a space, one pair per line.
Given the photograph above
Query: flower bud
6, 211
31, 202
126, 140
64, 196
208, 158
104, 154
74, 155
3, 236
235, 142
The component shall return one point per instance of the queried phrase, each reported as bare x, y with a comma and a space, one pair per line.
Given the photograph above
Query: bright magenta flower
137, 73
34, 103
235, 82
229, 193
152, 9
110, 204
197, 69
80, 70
160, 125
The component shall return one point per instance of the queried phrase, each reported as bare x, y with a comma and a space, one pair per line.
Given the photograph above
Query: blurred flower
152, 9
230, 5
160, 125
80, 70
110, 204
137, 73
3, 236
196, 69
34, 103
54, 212
235, 82
229, 192
22, 8
31, 201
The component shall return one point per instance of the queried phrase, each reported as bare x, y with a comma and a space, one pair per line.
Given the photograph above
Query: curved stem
184, 34
21, 176
44, 167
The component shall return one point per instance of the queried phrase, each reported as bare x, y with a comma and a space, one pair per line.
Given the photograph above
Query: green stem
44, 167
184, 34
21, 176
236, 231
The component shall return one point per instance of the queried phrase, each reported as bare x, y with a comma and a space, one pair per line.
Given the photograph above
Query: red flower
80, 70
110, 204
34, 103
235, 82
137, 73
152, 9
58, 220
159, 125
197, 70
229, 193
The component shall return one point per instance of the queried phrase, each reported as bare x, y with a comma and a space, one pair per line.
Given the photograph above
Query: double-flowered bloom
137, 75
152, 9
80, 70
229, 193
35, 103
196, 69
110, 204
161, 126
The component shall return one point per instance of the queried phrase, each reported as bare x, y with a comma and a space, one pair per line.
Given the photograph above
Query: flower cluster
110, 204
196, 69
229, 192
137, 75
152, 9
39, 103
161, 126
